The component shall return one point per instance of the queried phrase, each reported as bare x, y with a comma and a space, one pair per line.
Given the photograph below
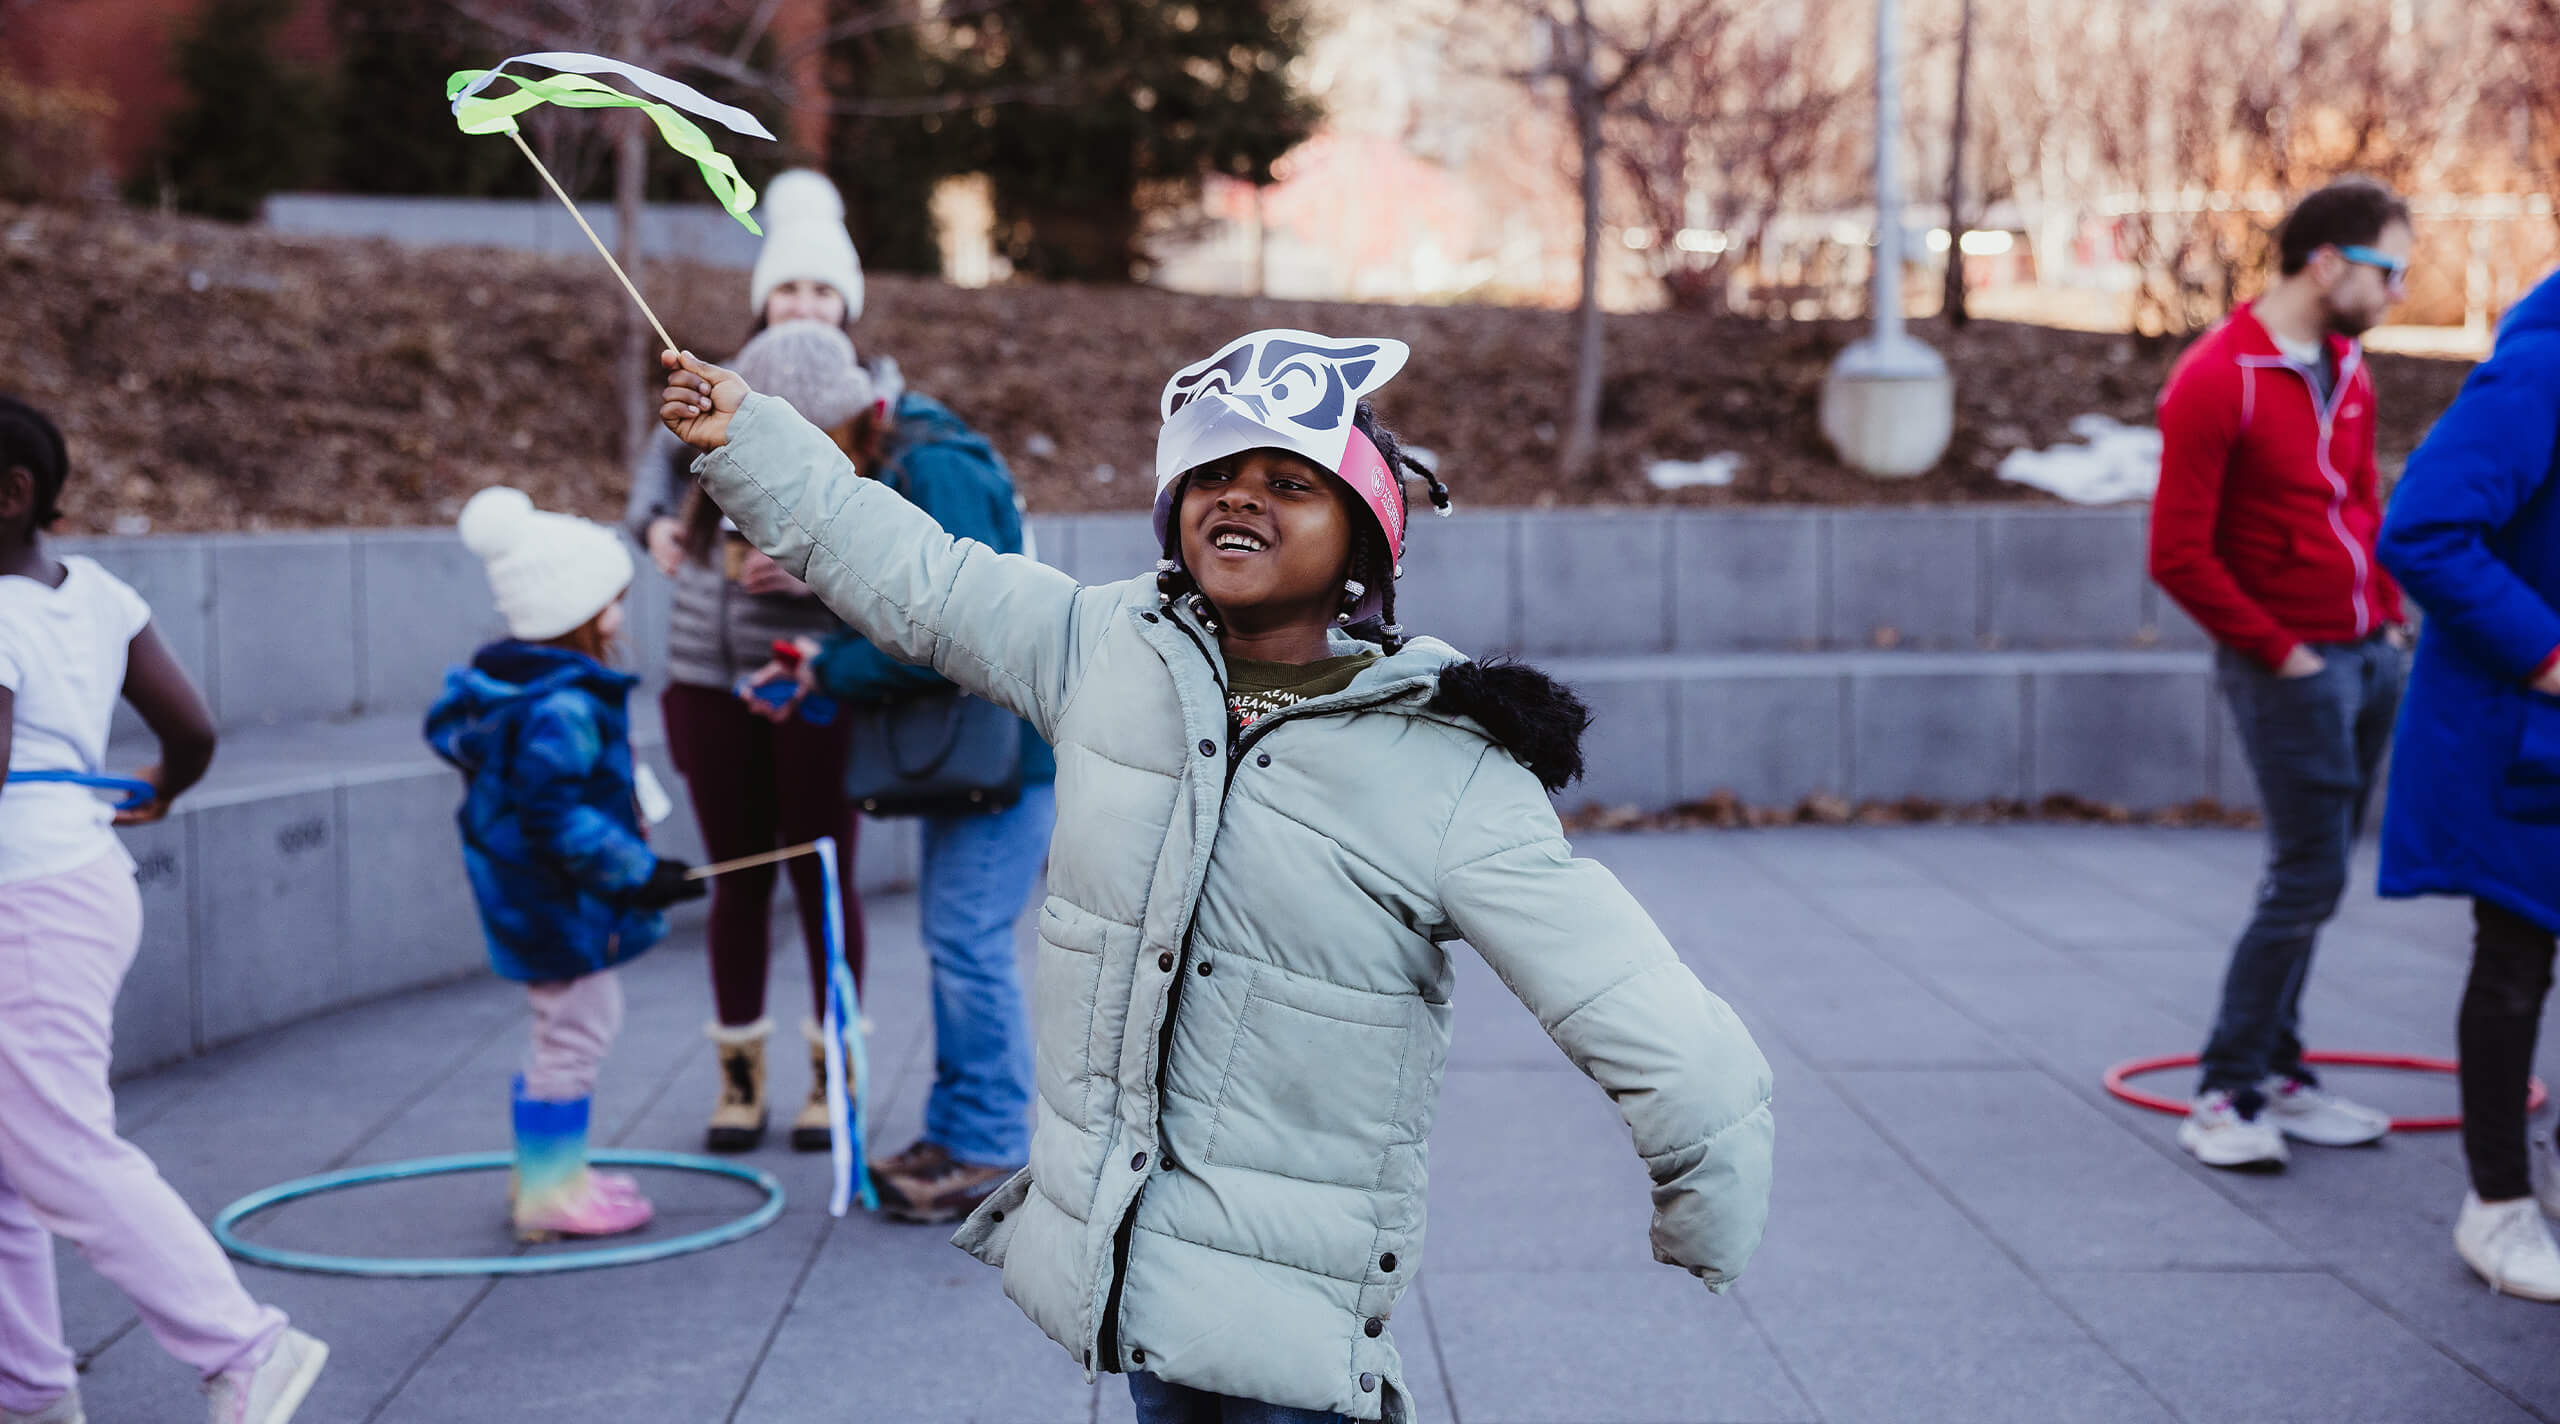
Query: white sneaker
269, 1392
2546, 1174
2220, 1137
65, 1410
2509, 1246
2307, 1113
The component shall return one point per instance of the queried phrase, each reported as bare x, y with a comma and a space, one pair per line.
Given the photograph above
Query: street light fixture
1888, 405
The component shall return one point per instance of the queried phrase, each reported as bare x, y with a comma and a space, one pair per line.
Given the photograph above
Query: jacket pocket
1066, 979
2532, 789
1314, 1082
990, 1228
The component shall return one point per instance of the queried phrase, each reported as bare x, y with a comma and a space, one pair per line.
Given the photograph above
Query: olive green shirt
1255, 690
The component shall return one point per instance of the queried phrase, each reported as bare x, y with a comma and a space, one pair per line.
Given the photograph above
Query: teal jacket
949, 471
1243, 972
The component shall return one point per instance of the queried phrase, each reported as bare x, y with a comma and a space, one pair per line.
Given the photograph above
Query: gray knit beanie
811, 365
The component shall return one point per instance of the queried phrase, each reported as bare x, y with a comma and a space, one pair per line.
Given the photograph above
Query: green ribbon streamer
481, 114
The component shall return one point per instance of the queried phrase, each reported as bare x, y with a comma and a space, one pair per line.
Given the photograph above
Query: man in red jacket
2263, 530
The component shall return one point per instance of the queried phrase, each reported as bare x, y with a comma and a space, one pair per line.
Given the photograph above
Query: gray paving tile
1533, 1171
1631, 1346
2293, 1346
674, 1340
2057, 1180
880, 1291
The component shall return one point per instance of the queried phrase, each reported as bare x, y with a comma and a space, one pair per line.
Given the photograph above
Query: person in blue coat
567, 887
980, 865
2473, 533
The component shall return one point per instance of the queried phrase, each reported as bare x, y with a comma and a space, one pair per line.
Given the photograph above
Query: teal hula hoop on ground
550, 1263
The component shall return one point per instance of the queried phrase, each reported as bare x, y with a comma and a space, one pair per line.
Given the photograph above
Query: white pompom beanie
805, 241
550, 572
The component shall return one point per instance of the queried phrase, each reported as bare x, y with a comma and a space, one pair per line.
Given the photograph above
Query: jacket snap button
1137, 1357
1374, 1328
1263, 760
1387, 1263
999, 1216
1138, 1163
1368, 1384
1148, 617
1165, 960
1207, 747
1204, 969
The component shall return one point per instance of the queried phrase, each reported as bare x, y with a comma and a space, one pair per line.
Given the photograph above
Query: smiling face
1268, 538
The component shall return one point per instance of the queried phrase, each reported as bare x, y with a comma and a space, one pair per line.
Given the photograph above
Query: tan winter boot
810, 1131
737, 1124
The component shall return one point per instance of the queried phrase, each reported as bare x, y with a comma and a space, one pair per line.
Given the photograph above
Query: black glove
667, 885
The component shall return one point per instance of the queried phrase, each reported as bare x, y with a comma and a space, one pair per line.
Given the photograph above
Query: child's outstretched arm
1002, 626
1584, 957
174, 710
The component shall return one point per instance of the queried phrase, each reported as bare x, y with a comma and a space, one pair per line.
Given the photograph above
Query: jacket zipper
1108, 1345
2325, 412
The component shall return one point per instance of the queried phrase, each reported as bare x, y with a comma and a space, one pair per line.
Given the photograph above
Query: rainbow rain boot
554, 1193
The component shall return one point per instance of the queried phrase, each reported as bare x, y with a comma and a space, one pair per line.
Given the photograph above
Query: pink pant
65, 943
574, 1024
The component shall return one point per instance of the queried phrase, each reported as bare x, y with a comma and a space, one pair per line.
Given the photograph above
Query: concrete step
2138, 729
318, 866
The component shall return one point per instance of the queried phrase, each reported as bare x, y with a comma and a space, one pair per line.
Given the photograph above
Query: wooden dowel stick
591, 237
744, 862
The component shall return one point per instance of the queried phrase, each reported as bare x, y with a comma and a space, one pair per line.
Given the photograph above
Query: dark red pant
758, 787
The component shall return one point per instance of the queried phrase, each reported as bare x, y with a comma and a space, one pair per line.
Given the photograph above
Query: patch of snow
2110, 464
1683, 474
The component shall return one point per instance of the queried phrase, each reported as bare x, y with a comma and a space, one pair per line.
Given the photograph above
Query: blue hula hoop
136, 793
549, 1263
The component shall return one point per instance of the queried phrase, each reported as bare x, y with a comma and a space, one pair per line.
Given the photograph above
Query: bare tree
1599, 52
1957, 225
1738, 125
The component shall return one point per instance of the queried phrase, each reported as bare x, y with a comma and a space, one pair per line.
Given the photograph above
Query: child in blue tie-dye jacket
567, 886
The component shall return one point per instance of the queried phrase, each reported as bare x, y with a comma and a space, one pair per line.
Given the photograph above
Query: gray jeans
2315, 744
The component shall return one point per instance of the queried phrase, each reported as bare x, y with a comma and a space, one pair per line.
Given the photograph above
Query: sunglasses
2391, 268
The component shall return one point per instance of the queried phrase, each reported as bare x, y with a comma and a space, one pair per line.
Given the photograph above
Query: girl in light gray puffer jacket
1275, 813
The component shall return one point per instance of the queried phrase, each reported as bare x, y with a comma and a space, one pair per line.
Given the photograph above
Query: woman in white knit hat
757, 785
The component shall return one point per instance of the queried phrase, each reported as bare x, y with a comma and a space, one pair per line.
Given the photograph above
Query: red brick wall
121, 48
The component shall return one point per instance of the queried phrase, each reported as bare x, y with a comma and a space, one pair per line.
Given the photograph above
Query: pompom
495, 519
802, 195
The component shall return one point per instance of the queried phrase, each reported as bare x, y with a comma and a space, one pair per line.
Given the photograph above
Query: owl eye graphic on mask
1286, 378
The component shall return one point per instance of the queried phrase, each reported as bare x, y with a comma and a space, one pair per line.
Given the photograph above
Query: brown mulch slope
215, 377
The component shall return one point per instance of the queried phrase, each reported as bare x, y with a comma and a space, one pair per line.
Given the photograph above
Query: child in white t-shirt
72, 640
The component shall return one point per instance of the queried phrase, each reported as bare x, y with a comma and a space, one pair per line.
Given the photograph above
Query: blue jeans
1162, 1403
978, 874
2314, 744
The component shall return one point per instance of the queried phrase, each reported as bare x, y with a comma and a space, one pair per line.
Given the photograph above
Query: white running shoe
64, 1410
2308, 1113
2509, 1246
269, 1393
2220, 1137
2546, 1174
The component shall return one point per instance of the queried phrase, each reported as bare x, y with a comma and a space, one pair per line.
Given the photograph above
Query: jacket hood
1527, 713
924, 421
2538, 312
501, 681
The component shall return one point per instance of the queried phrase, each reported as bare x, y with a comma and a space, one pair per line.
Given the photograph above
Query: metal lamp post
1888, 405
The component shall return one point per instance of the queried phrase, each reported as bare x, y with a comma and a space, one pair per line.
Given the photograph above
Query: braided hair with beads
1373, 565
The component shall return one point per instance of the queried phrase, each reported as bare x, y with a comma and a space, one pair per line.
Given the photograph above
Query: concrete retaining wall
1949, 653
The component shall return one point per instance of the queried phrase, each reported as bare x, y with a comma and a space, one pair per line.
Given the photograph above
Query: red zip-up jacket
2269, 503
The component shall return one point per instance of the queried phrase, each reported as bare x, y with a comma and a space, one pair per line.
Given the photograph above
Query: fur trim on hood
1534, 717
